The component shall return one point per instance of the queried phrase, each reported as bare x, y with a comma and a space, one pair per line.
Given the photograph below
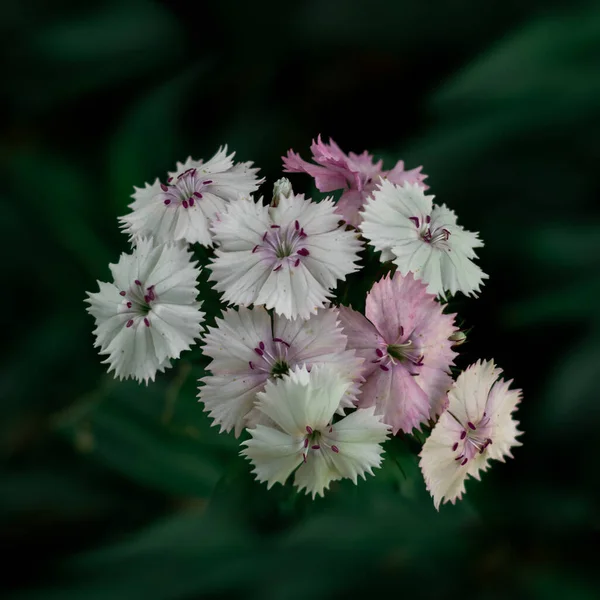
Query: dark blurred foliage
117, 490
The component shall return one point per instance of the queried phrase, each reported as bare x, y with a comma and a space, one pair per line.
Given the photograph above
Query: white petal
273, 453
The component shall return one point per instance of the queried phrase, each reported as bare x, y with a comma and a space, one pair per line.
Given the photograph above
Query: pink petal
399, 176
397, 396
326, 180
362, 336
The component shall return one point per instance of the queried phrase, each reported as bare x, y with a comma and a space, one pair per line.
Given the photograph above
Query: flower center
473, 439
283, 245
314, 440
399, 352
272, 359
433, 237
185, 189
137, 302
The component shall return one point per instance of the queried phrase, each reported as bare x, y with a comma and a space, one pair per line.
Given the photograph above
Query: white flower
248, 348
402, 223
287, 257
183, 207
477, 426
301, 407
149, 314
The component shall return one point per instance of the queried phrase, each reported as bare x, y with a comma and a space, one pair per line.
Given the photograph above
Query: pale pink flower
477, 426
248, 348
356, 174
404, 341
287, 257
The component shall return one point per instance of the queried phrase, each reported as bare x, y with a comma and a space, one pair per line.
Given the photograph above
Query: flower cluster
313, 386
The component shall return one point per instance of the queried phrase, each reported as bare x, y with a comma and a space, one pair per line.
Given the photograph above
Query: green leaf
138, 431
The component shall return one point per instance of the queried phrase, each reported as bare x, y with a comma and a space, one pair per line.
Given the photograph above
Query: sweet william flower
183, 206
404, 342
477, 426
249, 348
286, 257
149, 315
356, 174
303, 437
423, 239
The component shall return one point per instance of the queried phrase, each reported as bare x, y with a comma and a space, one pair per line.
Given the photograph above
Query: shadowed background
117, 490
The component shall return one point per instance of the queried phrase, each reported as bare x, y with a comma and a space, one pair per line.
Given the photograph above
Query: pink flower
356, 174
404, 341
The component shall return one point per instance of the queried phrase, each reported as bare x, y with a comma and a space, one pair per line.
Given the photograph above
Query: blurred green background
115, 490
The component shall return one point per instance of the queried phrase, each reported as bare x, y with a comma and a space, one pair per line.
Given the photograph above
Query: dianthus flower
356, 174
303, 437
248, 348
150, 313
404, 341
183, 206
477, 426
286, 257
422, 238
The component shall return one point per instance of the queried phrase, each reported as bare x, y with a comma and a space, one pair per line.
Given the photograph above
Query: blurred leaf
571, 392
72, 56
65, 207
126, 430
143, 147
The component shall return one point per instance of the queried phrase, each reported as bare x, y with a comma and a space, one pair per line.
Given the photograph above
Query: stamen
129, 323
415, 220
428, 219
261, 345
164, 188
281, 341
306, 442
251, 365
455, 446
151, 293
207, 182
275, 226
304, 456
297, 262
198, 195
259, 351
167, 202
277, 268
122, 293
401, 331
383, 368
379, 352
146, 322
463, 435
316, 447
303, 252
255, 248
471, 426
309, 429
191, 201
265, 236
184, 204
297, 225
464, 462
137, 282
335, 449
147, 299
169, 180
129, 305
